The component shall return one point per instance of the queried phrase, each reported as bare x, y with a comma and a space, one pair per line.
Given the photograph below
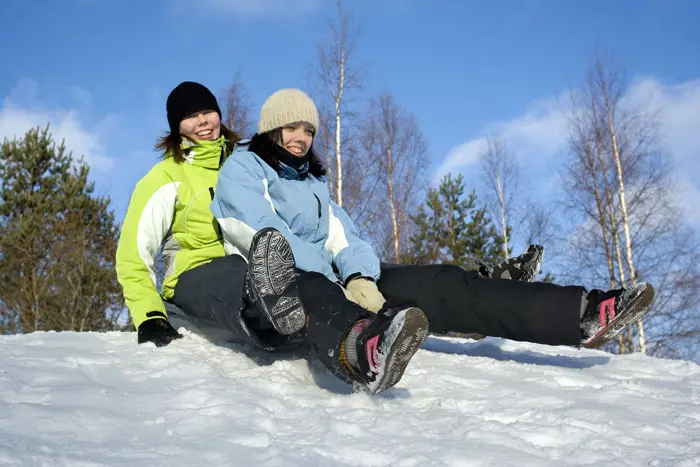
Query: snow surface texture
70, 399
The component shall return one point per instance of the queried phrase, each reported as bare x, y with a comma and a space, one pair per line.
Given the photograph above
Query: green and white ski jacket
170, 208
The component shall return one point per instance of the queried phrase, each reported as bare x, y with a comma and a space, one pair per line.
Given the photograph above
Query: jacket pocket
318, 203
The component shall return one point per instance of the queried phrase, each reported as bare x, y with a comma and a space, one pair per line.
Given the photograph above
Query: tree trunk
623, 209
392, 203
338, 155
504, 226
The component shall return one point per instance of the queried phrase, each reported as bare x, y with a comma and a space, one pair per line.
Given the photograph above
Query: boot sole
406, 334
522, 271
534, 265
271, 267
634, 312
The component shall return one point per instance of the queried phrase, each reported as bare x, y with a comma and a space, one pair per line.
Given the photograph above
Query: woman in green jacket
169, 209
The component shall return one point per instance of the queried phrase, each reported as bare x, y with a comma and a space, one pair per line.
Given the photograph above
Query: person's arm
147, 222
353, 256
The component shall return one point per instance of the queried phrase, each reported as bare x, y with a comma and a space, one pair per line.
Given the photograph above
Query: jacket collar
206, 154
291, 173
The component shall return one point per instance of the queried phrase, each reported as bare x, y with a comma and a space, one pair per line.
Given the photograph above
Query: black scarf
287, 158
273, 154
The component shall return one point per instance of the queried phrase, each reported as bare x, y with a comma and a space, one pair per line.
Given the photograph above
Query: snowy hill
99, 399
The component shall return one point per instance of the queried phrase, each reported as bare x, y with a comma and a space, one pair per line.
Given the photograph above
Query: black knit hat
186, 99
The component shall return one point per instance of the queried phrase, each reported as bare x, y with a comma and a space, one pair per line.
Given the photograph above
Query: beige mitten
366, 294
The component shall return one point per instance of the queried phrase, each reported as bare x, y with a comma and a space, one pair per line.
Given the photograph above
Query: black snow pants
214, 293
462, 301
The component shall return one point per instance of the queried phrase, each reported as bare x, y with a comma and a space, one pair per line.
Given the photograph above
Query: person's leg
524, 267
329, 319
214, 294
270, 282
608, 313
356, 345
462, 301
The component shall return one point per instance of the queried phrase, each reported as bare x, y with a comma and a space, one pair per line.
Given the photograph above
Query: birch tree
606, 81
397, 158
618, 177
500, 176
338, 79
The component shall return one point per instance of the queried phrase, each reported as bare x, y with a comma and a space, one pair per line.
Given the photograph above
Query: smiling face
297, 138
201, 126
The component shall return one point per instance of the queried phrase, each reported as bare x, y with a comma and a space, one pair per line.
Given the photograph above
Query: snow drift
99, 399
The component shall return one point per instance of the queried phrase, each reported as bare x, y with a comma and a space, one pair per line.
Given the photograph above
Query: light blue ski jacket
251, 195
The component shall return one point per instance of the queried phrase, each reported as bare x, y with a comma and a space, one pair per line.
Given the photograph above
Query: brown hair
265, 145
169, 143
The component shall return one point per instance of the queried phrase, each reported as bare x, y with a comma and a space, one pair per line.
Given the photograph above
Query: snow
90, 399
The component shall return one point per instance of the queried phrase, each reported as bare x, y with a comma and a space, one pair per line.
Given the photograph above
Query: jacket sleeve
148, 220
242, 206
352, 255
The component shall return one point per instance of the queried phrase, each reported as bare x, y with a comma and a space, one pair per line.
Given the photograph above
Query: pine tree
451, 229
57, 241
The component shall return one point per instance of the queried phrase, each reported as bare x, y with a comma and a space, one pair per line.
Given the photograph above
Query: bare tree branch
237, 110
338, 79
394, 167
501, 177
618, 178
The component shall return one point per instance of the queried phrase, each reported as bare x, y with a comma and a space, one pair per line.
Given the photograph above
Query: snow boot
378, 349
271, 281
609, 313
522, 268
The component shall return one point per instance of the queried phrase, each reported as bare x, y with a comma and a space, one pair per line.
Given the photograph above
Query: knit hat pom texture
287, 106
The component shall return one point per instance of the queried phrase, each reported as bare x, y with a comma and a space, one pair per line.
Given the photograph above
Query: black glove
157, 330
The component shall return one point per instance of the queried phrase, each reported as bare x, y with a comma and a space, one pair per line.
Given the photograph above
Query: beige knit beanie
287, 106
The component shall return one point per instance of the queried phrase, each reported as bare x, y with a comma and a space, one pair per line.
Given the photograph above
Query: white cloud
540, 135
690, 193
542, 128
22, 111
540, 132
459, 157
680, 113
250, 7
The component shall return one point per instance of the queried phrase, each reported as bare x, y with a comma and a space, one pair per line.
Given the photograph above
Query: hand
366, 294
157, 330
349, 295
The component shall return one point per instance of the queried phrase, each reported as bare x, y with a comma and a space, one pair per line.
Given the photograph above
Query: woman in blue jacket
319, 269
311, 275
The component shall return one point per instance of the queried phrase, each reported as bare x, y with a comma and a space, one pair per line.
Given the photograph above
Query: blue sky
100, 70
